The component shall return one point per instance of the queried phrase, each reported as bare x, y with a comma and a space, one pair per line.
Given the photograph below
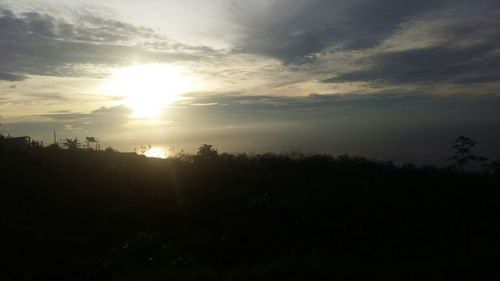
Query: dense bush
95, 215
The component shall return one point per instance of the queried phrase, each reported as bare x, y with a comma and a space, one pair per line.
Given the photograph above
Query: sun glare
148, 88
156, 153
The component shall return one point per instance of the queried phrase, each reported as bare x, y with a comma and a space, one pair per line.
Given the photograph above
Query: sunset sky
387, 79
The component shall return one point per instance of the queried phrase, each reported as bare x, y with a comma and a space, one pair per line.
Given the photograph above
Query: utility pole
55, 137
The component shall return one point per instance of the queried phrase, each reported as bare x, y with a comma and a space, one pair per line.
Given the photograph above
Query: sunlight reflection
155, 152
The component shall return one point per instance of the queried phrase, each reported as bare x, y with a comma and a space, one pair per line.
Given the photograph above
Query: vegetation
463, 156
71, 144
78, 214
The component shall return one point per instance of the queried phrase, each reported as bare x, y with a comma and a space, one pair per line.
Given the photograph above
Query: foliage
110, 149
142, 149
53, 146
495, 167
93, 215
463, 155
207, 152
71, 144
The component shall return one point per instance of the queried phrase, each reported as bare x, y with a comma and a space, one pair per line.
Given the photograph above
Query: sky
389, 79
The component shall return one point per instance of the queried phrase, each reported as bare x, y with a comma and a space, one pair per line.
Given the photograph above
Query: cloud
46, 96
398, 126
429, 65
104, 114
103, 122
395, 126
445, 48
332, 76
292, 30
12, 77
69, 127
374, 43
45, 44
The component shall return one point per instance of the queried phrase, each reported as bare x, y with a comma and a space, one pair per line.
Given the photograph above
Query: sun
155, 152
148, 88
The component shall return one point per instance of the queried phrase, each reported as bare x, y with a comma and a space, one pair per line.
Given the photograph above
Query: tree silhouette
206, 152
71, 144
53, 146
463, 155
142, 149
495, 167
1, 136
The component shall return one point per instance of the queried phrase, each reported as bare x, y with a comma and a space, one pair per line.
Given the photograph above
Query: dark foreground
109, 216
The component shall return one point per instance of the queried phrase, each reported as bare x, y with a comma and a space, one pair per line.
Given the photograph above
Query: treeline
105, 215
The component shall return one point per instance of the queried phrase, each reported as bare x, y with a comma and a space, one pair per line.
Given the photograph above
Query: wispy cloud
435, 50
292, 30
12, 77
45, 44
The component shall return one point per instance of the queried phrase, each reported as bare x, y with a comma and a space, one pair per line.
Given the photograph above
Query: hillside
95, 215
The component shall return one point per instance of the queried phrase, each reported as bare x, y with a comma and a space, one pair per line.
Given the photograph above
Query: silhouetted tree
71, 144
1, 136
463, 155
53, 146
206, 152
110, 149
120, 216
34, 144
495, 167
142, 149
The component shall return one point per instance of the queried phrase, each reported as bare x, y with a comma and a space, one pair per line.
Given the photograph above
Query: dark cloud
318, 112
290, 30
468, 53
400, 127
313, 102
116, 113
429, 65
46, 96
42, 44
101, 122
13, 77
294, 31
94, 28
